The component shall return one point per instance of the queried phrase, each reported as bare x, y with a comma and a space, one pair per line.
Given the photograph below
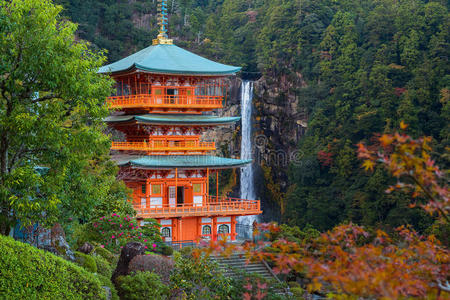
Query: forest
363, 213
363, 67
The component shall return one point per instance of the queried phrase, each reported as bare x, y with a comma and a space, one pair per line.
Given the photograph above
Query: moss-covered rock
103, 266
86, 261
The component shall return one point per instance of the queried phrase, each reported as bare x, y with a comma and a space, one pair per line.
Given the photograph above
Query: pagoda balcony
214, 206
150, 101
165, 146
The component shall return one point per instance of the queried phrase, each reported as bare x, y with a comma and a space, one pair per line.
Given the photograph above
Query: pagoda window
172, 92
143, 202
206, 230
165, 232
156, 189
144, 189
197, 188
223, 229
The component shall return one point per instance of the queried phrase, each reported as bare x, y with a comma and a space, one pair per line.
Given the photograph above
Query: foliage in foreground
349, 261
30, 273
54, 157
141, 285
196, 277
113, 231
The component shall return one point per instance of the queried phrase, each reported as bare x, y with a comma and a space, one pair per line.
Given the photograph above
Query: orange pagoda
164, 100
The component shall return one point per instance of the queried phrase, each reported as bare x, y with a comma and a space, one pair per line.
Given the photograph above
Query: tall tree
52, 149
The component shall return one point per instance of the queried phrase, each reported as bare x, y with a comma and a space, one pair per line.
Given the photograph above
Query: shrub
166, 250
86, 261
106, 254
115, 231
106, 281
157, 264
141, 285
198, 278
186, 251
31, 273
103, 266
297, 292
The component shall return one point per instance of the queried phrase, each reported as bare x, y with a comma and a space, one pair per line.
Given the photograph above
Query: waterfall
247, 182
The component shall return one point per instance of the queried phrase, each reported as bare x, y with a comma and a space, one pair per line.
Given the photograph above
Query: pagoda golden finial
162, 38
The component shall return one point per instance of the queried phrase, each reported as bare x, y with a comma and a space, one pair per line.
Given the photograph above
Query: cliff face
277, 126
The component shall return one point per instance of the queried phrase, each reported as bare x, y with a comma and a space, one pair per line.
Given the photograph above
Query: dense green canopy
52, 102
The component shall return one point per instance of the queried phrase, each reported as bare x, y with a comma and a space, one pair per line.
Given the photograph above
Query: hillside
346, 69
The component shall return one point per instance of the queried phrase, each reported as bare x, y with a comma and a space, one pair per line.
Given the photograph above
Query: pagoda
163, 102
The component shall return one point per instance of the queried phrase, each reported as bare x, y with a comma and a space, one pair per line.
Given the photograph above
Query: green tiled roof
178, 119
180, 161
169, 59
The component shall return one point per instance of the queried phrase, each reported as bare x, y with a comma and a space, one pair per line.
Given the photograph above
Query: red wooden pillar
213, 229
233, 228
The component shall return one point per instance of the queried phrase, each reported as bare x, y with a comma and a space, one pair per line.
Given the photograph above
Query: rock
107, 292
129, 251
57, 231
158, 264
58, 241
86, 248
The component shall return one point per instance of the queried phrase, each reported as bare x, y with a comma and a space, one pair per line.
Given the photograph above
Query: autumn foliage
349, 261
410, 161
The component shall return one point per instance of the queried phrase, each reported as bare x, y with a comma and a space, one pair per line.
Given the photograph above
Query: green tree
52, 149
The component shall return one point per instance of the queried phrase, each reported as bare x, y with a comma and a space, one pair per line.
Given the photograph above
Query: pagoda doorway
180, 195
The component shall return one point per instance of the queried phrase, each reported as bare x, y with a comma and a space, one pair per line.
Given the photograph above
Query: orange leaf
386, 140
403, 125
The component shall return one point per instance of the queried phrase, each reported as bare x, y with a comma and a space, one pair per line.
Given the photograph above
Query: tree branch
44, 98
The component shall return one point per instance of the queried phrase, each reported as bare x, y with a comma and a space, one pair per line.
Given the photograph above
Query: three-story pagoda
163, 93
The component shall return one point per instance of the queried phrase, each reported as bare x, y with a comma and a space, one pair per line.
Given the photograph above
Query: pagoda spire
163, 38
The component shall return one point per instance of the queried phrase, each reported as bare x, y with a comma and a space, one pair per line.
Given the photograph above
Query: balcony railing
146, 101
214, 206
165, 146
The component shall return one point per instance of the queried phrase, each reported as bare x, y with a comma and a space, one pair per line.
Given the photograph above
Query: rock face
129, 251
278, 124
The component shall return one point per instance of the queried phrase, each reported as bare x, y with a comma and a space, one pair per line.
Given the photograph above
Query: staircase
234, 265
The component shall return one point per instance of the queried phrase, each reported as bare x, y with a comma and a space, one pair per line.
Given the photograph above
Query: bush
31, 273
199, 278
106, 254
86, 261
82, 233
103, 266
166, 250
141, 285
186, 251
157, 264
115, 231
106, 281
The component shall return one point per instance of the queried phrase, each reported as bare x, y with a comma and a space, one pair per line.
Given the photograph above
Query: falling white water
247, 181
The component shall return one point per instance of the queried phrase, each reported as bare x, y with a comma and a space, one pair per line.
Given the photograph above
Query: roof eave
199, 73
159, 167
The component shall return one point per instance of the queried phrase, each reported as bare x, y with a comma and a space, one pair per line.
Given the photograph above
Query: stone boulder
86, 248
129, 251
158, 264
